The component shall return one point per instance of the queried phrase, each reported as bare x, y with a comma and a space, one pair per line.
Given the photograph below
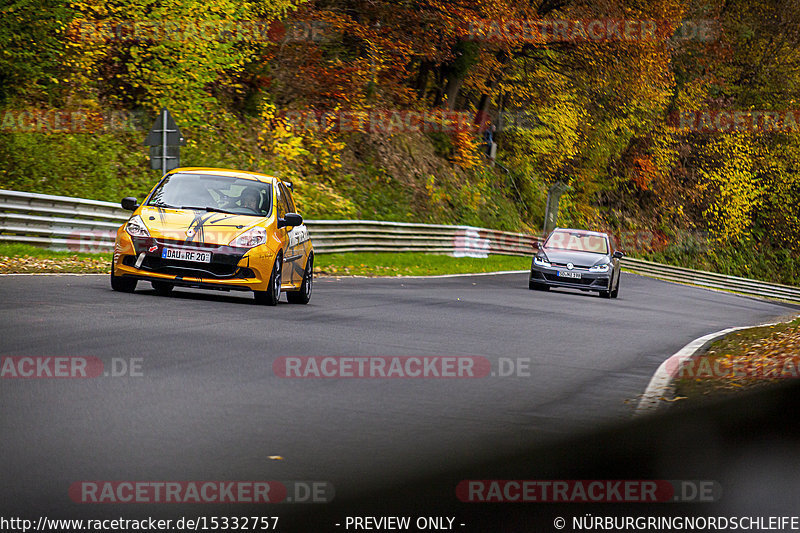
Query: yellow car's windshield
213, 193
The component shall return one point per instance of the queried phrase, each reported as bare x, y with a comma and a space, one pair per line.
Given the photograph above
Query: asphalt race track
205, 403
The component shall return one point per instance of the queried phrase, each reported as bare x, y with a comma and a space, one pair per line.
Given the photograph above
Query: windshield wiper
161, 204
209, 209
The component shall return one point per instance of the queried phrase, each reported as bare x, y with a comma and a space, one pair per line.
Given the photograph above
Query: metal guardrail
60, 222
64, 223
713, 280
377, 236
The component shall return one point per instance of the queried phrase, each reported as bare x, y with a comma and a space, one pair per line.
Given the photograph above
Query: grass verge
413, 264
23, 258
743, 360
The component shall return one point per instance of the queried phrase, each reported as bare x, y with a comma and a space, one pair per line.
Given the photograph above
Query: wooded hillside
674, 119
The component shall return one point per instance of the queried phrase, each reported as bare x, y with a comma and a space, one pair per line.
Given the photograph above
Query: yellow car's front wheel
304, 294
273, 292
122, 284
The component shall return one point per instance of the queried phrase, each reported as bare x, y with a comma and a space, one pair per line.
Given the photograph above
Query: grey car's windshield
577, 242
210, 192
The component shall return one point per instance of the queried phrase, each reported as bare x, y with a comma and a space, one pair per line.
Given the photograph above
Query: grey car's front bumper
589, 281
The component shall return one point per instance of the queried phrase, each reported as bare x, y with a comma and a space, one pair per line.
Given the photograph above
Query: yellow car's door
298, 241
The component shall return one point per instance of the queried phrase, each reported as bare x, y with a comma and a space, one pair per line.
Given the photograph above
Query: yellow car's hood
195, 226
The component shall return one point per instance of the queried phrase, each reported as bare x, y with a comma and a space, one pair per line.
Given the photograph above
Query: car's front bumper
589, 281
231, 268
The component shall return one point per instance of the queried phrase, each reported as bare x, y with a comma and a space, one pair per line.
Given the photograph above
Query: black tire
537, 286
605, 294
122, 284
304, 294
615, 292
162, 288
273, 292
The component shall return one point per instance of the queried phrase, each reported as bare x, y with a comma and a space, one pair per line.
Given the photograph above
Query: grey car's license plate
569, 274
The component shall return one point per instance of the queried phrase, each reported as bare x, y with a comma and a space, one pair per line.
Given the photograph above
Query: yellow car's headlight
250, 238
136, 228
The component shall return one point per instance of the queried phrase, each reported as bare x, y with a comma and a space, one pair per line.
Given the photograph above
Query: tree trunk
454, 82
421, 84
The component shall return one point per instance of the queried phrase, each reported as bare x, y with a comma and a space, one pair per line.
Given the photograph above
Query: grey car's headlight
540, 261
600, 268
136, 228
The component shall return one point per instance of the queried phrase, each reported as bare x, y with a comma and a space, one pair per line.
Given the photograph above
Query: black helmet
251, 192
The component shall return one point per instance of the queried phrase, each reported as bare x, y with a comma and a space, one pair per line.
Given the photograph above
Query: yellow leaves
172, 52
285, 145
465, 149
729, 183
297, 148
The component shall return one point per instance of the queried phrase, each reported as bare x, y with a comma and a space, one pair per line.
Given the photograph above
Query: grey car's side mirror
130, 203
290, 219
618, 254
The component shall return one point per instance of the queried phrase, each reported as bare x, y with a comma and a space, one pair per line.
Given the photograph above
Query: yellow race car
218, 229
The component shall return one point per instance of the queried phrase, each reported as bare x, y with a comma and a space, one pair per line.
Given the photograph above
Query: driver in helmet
251, 199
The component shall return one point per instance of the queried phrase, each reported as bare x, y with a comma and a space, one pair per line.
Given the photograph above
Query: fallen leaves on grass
742, 362
68, 264
362, 270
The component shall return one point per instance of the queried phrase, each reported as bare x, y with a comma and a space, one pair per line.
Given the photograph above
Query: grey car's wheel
615, 292
537, 286
304, 294
273, 292
162, 288
122, 284
605, 294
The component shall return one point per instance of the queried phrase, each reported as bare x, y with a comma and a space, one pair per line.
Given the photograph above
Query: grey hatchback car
577, 259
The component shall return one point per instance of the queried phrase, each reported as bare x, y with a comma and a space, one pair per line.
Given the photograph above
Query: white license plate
569, 274
186, 255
